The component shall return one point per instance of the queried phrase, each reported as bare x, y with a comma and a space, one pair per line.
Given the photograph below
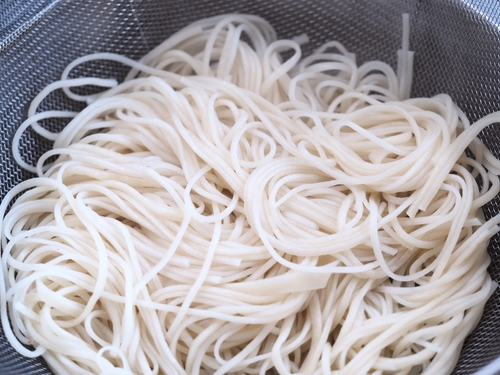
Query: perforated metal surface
457, 46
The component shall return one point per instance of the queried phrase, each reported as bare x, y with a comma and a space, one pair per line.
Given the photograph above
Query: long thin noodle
226, 210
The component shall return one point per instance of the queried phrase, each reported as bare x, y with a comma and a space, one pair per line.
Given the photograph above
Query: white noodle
226, 211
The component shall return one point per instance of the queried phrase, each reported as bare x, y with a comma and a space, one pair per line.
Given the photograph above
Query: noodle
226, 210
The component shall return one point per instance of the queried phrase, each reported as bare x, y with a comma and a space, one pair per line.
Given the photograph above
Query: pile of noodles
227, 210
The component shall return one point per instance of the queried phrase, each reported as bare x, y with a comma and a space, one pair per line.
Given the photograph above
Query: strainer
456, 44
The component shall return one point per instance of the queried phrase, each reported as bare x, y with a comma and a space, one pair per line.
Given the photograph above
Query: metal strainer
456, 44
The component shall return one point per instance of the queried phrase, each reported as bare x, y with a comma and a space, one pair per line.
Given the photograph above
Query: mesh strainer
457, 46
